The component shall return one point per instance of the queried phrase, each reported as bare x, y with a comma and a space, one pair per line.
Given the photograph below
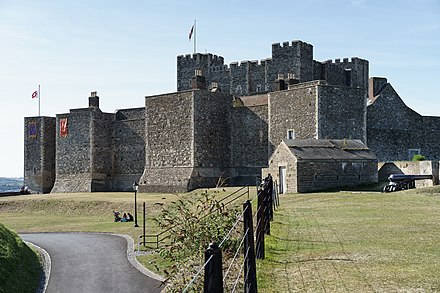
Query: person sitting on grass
130, 217
124, 218
117, 217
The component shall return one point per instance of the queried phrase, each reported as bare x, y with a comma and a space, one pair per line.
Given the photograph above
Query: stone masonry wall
211, 129
326, 174
73, 153
129, 148
342, 112
253, 77
39, 153
169, 123
394, 131
282, 157
249, 140
292, 109
102, 150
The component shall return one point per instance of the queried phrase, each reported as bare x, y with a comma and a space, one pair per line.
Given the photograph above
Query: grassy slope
19, 265
354, 242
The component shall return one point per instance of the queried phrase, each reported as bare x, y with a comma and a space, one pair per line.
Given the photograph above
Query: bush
417, 158
193, 223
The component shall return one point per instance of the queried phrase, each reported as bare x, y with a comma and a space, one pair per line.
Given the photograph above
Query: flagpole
195, 33
39, 100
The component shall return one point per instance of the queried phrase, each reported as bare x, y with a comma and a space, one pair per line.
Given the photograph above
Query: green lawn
354, 242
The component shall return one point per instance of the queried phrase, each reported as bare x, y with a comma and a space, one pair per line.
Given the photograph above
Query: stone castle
223, 122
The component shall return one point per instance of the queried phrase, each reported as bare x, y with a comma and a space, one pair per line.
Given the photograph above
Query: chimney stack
94, 100
198, 81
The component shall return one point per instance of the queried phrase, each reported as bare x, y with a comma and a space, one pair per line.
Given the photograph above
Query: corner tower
39, 153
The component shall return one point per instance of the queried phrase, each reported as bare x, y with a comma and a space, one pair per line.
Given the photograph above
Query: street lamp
135, 188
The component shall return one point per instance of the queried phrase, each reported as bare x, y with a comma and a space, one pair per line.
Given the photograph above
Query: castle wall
169, 124
293, 109
239, 78
249, 138
129, 148
341, 112
73, 153
84, 152
353, 73
295, 58
101, 150
211, 129
395, 132
39, 153
212, 66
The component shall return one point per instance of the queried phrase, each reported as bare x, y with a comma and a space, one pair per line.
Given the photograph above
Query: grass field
354, 242
319, 242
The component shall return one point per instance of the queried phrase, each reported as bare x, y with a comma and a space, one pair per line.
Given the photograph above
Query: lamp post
135, 188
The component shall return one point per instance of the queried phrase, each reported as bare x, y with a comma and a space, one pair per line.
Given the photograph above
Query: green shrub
193, 223
417, 158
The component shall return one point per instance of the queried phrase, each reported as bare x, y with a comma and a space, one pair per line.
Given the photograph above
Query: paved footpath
82, 262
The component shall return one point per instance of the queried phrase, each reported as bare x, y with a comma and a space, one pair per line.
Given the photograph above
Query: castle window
412, 153
290, 134
258, 87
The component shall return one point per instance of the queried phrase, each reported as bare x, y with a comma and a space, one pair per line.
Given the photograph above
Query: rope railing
240, 217
239, 273
250, 244
198, 273
235, 256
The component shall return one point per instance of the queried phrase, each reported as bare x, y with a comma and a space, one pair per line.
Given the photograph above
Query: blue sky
126, 50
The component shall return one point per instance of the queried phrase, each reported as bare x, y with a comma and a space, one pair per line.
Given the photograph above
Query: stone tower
39, 153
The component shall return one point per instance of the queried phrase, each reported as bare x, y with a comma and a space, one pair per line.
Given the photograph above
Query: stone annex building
223, 121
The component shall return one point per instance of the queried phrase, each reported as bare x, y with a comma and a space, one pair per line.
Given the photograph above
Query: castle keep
224, 121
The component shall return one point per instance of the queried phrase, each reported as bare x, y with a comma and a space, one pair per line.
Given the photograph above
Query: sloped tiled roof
322, 149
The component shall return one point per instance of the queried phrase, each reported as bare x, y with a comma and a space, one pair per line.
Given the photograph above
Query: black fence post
250, 268
260, 225
144, 226
213, 282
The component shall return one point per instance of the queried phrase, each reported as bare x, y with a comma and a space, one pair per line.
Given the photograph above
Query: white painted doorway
282, 176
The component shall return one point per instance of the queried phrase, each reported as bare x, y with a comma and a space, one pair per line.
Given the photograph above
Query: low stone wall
411, 168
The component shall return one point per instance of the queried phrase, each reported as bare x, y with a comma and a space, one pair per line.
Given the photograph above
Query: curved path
82, 262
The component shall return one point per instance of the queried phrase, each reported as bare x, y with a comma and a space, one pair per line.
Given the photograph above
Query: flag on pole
35, 95
191, 32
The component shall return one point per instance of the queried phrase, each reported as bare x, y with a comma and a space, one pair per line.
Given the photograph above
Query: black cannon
402, 181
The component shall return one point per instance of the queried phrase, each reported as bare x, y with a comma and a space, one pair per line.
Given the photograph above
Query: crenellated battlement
199, 56
352, 60
293, 44
254, 76
248, 63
